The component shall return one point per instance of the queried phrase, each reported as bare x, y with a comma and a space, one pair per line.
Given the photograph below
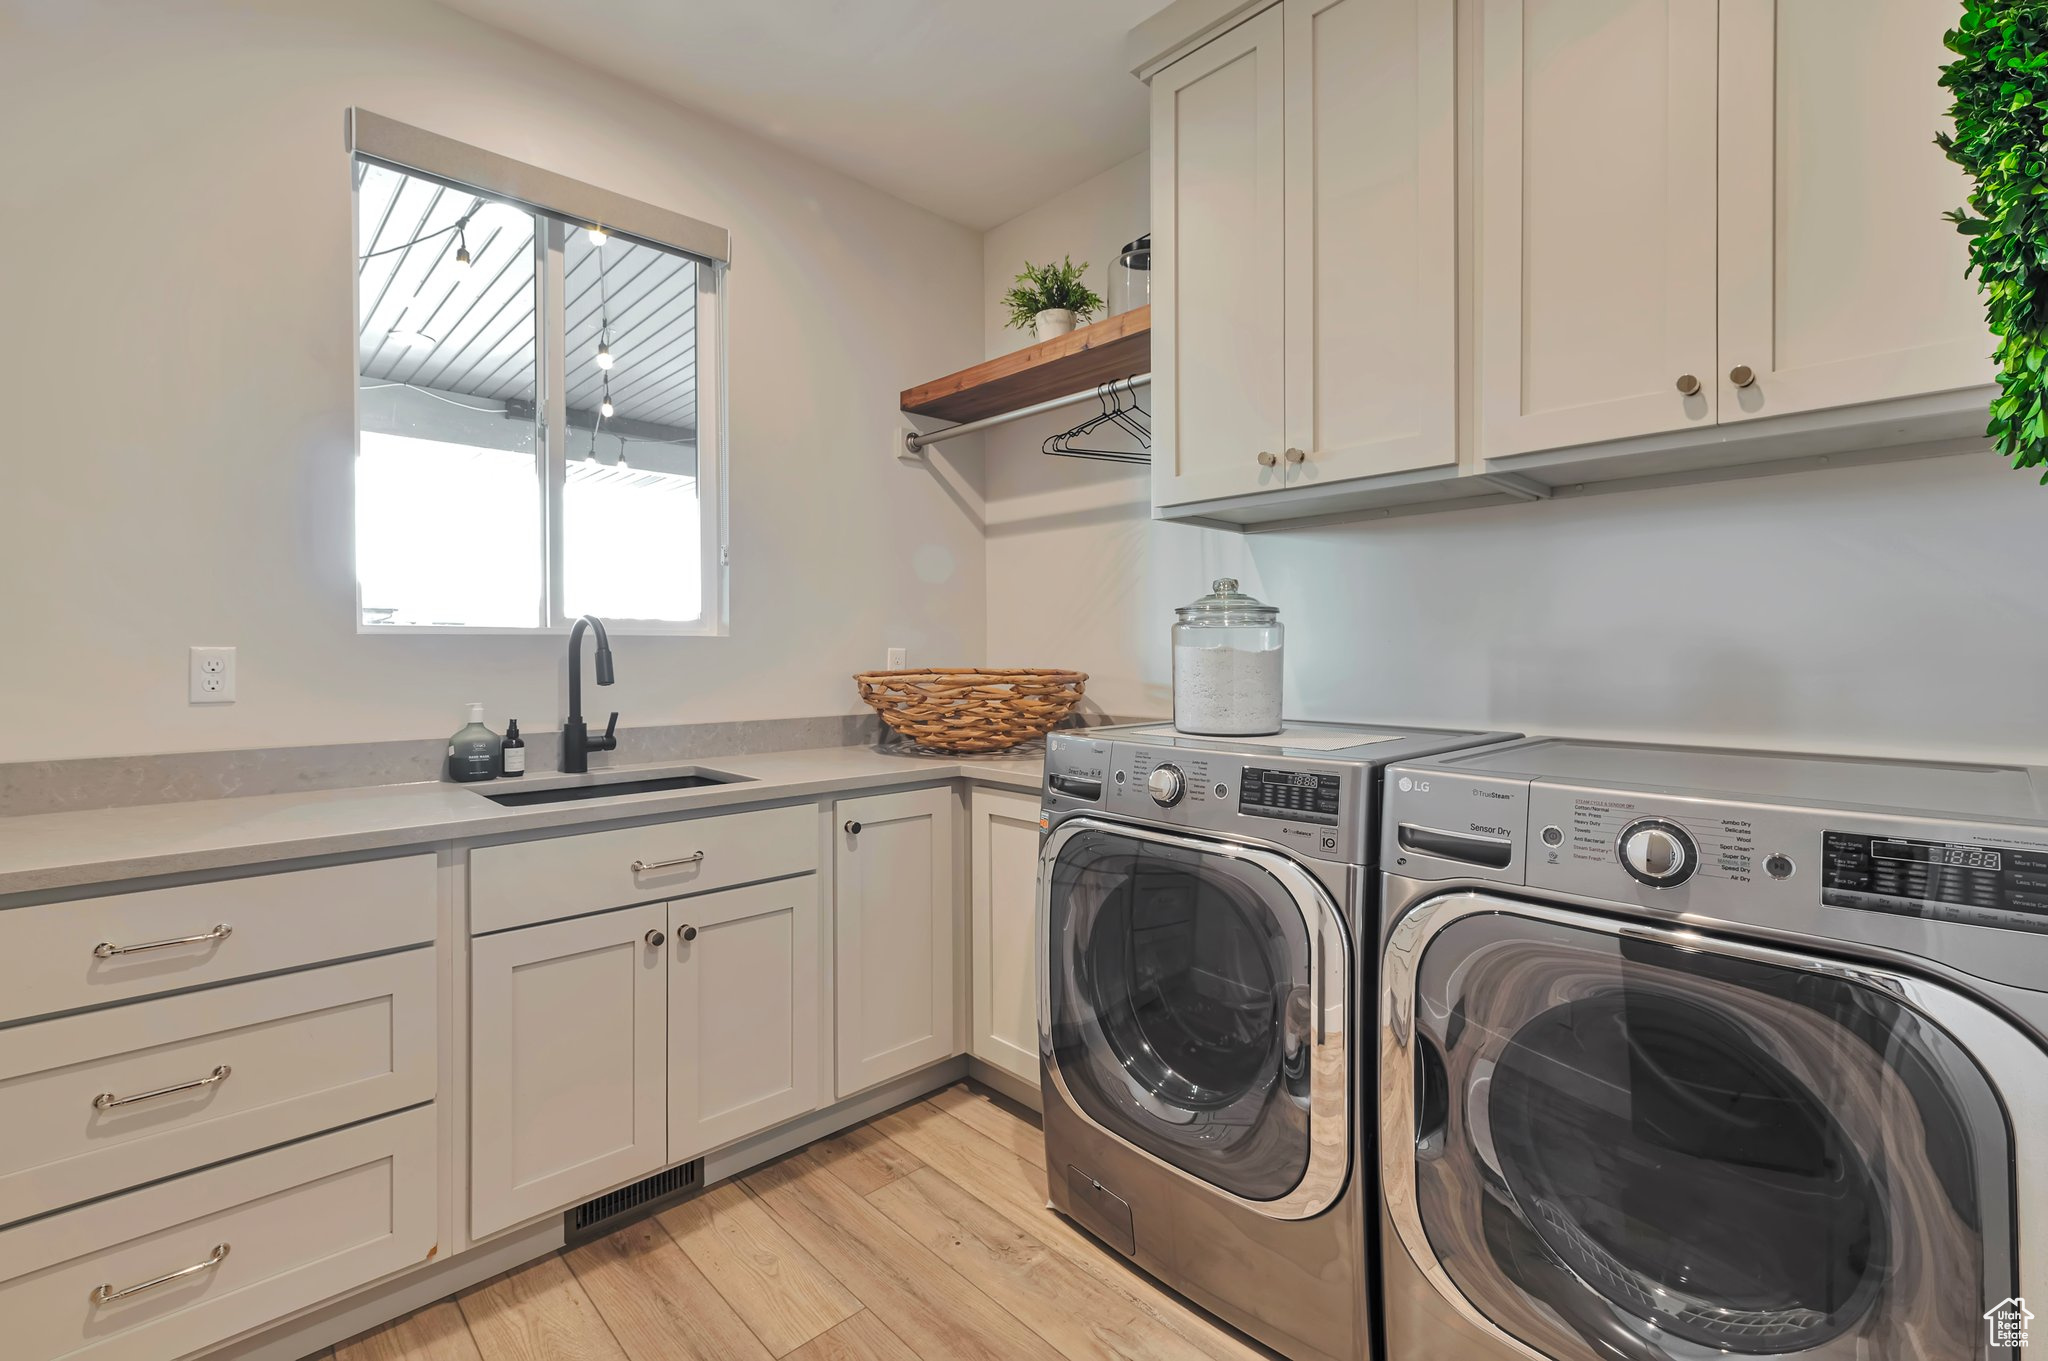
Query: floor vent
596, 1218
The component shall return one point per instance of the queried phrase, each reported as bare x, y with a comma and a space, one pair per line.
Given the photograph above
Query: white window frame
558, 201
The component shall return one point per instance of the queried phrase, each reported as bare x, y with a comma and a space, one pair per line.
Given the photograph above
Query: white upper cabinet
1596, 221
1372, 269
1840, 282
1218, 236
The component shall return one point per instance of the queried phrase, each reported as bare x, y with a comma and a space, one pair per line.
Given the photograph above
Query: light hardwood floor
919, 1236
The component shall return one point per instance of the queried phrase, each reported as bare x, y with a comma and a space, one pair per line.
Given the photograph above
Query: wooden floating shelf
1118, 347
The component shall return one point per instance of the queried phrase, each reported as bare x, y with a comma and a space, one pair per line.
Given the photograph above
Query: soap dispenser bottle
473, 752
514, 762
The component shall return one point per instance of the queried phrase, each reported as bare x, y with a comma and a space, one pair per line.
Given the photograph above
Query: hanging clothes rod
917, 443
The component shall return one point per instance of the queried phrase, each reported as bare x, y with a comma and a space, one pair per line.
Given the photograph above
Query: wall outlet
212, 675
896, 658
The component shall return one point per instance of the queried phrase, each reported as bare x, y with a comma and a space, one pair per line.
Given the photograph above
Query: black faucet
577, 743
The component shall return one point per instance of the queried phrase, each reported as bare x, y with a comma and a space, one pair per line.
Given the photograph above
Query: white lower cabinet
178, 1266
1003, 864
568, 1062
895, 901
743, 990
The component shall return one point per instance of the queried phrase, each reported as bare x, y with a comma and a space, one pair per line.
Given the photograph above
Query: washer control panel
1290, 795
1943, 880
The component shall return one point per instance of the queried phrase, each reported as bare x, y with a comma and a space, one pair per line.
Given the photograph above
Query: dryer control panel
1956, 881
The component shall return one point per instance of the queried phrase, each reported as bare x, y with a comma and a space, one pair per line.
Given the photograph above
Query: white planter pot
1053, 321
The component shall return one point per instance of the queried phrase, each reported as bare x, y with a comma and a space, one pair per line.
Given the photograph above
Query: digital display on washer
1295, 795
1947, 881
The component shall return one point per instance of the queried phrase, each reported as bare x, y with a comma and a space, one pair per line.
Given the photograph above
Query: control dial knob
1658, 853
1166, 784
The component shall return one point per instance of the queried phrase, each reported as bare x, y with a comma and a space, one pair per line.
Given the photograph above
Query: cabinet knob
656, 939
852, 827
688, 933
1742, 375
1688, 385
1295, 456
1266, 458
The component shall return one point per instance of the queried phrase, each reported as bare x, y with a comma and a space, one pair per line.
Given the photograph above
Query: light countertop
42, 852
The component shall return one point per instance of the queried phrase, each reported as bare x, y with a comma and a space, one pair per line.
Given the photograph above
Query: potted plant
1051, 299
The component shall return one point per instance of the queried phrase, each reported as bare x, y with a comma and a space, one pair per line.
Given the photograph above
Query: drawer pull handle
106, 1101
642, 866
106, 1294
107, 950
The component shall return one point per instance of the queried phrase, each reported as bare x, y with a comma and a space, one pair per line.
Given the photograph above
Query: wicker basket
967, 710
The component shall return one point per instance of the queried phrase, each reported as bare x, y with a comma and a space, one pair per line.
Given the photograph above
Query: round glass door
1629, 1149
1183, 1011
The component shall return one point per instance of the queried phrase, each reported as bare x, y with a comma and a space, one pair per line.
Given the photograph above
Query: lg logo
1408, 786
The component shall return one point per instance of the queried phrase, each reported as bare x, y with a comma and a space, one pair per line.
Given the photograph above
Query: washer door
1194, 1006
1616, 1141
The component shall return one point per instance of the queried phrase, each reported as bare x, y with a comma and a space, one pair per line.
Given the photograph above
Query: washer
1199, 900
1691, 1053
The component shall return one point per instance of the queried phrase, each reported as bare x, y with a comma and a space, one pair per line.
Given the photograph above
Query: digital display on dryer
1292, 795
1945, 881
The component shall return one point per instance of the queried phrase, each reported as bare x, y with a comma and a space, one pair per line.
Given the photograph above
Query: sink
610, 789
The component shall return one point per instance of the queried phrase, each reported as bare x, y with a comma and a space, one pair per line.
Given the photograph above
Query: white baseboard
735, 1159
1025, 1094
327, 1324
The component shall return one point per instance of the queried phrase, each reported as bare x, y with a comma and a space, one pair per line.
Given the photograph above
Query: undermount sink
611, 789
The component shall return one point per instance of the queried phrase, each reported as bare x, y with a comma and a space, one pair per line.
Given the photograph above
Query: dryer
1690, 1053
1202, 999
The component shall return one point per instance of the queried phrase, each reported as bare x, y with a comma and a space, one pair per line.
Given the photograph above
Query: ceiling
432, 324
974, 109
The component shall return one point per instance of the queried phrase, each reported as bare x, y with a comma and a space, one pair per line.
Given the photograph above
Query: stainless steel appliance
1691, 1053
1199, 904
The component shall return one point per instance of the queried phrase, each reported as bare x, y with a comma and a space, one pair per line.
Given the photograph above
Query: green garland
2000, 82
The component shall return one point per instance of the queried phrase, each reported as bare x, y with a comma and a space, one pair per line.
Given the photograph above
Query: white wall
1899, 609
178, 366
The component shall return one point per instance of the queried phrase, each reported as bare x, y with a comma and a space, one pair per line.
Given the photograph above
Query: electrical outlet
896, 658
212, 675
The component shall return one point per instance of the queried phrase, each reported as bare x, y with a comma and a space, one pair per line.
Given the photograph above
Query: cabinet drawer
86, 951
113, 1281
537, 881
126, 1095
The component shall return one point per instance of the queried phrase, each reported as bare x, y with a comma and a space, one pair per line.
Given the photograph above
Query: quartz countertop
45, 852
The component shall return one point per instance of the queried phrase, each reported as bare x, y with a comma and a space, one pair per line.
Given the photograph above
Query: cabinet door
894, 904
568, 1062
1003, 863
1840, 282
1372, 234
742, 1012
1218, 239
1596, 220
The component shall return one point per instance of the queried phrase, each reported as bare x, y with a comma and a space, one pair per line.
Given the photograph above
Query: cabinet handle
1742, 375
1688, 385
1266, 458
852, 827
642, 866
656, 939
688, 933
106, 1101
103, 1294
106, 950
1295, 456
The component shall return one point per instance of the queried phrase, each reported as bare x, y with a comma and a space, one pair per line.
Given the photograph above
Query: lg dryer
1694, 1054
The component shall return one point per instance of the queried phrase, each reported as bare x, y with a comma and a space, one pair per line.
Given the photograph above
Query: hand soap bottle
473, 752
514, 762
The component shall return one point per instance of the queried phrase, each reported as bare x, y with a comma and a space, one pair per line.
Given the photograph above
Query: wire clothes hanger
1133, 422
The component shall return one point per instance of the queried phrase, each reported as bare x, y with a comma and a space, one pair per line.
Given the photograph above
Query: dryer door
1610, 1140
1194, 1006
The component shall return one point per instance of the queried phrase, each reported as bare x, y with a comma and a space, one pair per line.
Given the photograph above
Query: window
537, 433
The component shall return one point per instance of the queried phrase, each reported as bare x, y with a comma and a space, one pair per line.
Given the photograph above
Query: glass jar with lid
1227, 650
